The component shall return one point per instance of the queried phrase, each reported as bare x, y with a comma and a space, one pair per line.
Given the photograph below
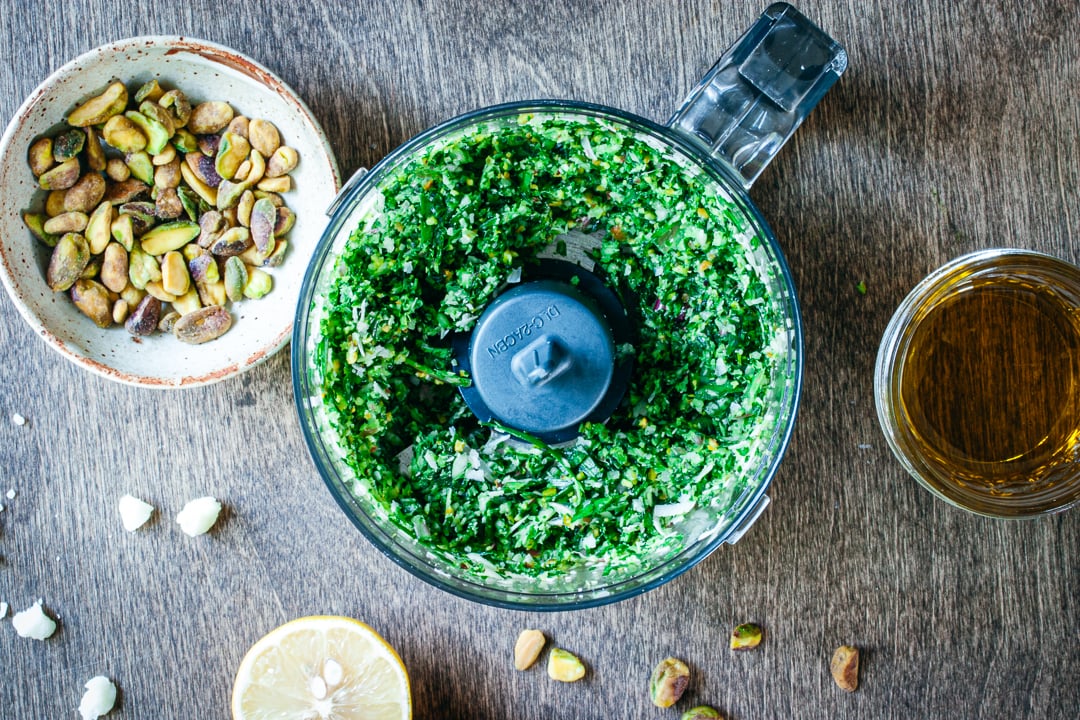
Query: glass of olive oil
977, 383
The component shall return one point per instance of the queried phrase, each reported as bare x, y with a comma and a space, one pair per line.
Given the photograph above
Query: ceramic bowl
204, 71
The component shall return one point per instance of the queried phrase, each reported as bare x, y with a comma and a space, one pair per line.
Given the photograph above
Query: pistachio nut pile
160, 212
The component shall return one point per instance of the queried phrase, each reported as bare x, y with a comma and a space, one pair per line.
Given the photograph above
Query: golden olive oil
990, 384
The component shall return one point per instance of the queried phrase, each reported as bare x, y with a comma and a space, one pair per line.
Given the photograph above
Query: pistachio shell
98, 109
69, 258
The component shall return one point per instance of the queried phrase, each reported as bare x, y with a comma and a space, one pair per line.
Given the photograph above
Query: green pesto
454, 223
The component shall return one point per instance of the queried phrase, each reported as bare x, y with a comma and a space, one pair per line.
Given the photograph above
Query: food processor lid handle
759, 92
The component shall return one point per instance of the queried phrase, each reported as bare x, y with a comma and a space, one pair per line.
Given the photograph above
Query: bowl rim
216, 53
471, 589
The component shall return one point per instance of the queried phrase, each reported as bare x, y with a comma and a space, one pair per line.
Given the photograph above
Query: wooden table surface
955, 128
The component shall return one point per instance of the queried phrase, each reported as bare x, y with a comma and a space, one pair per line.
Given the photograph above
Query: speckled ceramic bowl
204, 71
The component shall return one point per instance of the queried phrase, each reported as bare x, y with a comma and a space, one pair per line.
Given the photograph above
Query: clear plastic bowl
589, 585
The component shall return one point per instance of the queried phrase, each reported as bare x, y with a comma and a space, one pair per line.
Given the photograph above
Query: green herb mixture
453, 224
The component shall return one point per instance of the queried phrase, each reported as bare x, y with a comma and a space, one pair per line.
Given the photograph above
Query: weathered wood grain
955, 128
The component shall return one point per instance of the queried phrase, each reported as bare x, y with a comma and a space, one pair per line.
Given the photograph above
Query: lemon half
321, 668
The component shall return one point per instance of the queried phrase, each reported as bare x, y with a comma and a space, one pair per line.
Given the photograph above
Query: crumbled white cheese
199, 515
134, 512
18, 419
99, 698
11, 494
33, 623
3, 609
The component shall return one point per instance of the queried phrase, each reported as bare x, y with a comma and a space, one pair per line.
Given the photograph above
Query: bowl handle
759, 92
752, 517
347, 188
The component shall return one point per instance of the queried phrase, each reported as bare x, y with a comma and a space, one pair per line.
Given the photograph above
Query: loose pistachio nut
845, 667
35, 222
202, 325
95, 154
69, 258
114, 267
99, 227
210, 117
564, 666
528, 646
68, 144
98, 109
66, 222
40, 156
236, 278
701, 712
60, 177
93, 300
143, 320
85, 194
124, 135
746, 636
264, 136
283, 161
669, 681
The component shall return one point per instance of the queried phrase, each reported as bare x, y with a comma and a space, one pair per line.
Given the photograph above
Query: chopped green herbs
452, 225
